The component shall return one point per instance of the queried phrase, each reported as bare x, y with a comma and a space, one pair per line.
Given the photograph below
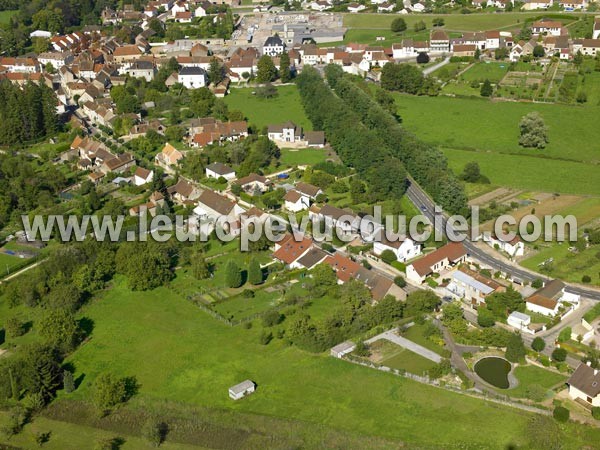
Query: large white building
404, 249
192, 77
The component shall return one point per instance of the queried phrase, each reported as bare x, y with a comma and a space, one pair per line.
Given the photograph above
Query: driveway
392, 336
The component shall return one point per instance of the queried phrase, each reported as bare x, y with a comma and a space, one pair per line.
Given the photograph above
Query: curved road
426, 205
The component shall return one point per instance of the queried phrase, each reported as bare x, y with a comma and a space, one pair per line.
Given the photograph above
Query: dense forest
425, 163
27, 113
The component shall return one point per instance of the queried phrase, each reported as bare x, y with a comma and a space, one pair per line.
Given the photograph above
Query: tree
538, 344
578, 59
402, 77
422, 58
438, 22
14, 327
272, 318
477, 54
285, 72
538, 51
267, 71
398, 25
323, 278
388, 256
515, 349
255, 275
266, 91
486, 89
559, 354
485, 318
215, 71
419, 26
420, 302
534, 133
233, 275
471, 172
561, 414
68, 381
60, 329
147, 265
108, 391
154, 432
200, 267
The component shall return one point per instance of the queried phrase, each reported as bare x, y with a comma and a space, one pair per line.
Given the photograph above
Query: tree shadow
77, 381
2, 336
132, 387
86, 325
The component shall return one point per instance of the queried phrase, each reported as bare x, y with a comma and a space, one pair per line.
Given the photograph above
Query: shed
340, 350
241, 390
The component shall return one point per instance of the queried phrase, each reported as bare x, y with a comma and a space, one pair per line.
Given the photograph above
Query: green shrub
559, 354
561, 414
596, 412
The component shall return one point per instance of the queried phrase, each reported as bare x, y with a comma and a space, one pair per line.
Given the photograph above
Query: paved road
424, 203
392, 336
435, 67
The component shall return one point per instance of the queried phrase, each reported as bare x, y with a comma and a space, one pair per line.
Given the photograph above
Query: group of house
289, 133
302, 253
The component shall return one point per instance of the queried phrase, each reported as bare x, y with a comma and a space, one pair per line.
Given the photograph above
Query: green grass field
179, 353
490, 133
294, 157
454, 22
5, 16
492, 71
263, 112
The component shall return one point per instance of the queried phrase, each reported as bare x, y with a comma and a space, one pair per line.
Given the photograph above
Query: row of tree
358, 145
425, 163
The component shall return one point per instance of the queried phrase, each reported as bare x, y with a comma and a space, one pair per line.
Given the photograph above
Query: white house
273, 46
218, 170
192, 77
543, 305
443, 258
285, 132
514, 246
404, 249
294, 201
549, 27
520, 321
142, 176
356, 8
241, 390
472, 286
584, 384
551, 298
532, 5
418, 7
386, 7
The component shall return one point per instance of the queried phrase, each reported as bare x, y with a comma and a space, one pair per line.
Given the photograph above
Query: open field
493, 71
532, 173
263, 112
455, 22
179, 353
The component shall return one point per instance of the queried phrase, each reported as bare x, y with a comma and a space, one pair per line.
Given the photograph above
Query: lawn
415, 334
263, 112
492, 71
396, 357
5, 16
297, 157
180, 354
533, 375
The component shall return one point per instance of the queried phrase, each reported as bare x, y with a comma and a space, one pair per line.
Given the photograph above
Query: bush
272, 318
596, 412
559, 354
388, 256
485, 318
538, 344
265, 337
154, 432
561, 414
400, 281
586, 279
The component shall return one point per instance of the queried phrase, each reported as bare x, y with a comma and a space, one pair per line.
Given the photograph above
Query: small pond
494, 370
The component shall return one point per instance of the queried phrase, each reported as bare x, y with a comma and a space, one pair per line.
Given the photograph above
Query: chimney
595, 372
589, 363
